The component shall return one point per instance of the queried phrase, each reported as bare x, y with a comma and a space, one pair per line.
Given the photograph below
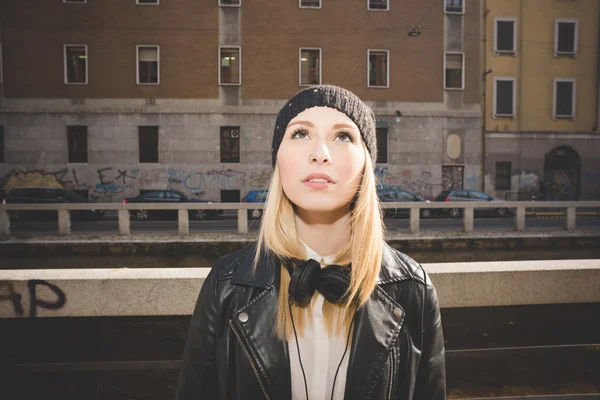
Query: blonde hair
364, 250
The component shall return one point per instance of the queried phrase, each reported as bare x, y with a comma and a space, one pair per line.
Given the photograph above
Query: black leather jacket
397, 347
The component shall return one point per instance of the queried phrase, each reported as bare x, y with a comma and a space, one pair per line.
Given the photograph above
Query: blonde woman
320, 307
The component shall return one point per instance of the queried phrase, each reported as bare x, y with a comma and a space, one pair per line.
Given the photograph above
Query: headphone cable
300, 358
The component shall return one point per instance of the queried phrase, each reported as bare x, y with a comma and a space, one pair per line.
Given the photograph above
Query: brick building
111, 97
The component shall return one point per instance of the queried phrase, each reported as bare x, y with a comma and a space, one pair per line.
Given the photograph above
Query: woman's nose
320, 155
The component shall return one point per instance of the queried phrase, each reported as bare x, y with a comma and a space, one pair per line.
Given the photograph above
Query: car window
479, 195
75, 197
409, 196
51, 193
154, 195
173, 196
403, 196
261, 196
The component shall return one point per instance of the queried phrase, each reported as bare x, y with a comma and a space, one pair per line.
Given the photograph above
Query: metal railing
467, 211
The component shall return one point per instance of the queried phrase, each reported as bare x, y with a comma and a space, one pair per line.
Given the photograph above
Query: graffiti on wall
66, 178
9, 294
112, 182
199, 183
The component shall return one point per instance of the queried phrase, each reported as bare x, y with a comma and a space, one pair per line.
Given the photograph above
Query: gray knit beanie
333, 97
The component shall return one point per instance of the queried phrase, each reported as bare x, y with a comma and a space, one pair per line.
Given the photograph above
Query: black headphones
332, 282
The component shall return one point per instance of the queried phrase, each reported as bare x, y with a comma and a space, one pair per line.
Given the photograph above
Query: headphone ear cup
334, 282
304, 281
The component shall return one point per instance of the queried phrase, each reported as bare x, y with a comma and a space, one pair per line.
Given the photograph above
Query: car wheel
255, 214
200, 215
141, 215
502, 212
425, 213
455, 212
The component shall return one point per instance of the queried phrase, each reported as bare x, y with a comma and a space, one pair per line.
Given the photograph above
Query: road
228, 223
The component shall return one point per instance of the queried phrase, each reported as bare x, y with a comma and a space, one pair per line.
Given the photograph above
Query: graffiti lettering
123, 175
101, 176
35, 302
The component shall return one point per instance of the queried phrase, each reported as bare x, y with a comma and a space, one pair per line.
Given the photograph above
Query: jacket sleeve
431, 374
198, 376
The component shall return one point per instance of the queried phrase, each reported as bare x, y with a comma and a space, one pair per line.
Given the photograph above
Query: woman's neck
326, 234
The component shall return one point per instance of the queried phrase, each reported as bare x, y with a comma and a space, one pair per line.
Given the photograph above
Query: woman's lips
317, 185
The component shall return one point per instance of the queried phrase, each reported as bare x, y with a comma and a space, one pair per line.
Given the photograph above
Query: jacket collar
393, 268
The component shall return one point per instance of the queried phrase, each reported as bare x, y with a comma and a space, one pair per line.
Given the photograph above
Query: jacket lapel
269, 354
375, 331
376, 328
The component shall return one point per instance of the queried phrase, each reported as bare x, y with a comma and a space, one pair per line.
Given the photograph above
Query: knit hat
333, 97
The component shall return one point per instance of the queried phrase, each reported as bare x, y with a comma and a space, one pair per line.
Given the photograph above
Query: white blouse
320, 354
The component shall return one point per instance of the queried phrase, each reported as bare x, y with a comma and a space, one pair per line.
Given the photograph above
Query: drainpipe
595, 128
484, 98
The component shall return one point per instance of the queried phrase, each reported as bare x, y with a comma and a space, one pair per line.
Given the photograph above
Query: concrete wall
189, 148
120, 292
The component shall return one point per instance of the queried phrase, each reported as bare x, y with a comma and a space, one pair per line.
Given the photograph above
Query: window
77, 143
505, 97
564, 99
230, 3
148, 65
454, 6
148, 144
230, 70
2, 160
454, 66
378, 5
310, 3
310, 67
76, 64
503, 169
382, 145
505, 35
230, 144
378, 68
147, 2
565, 37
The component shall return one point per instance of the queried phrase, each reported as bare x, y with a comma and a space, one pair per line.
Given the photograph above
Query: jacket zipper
391, 373
249, 359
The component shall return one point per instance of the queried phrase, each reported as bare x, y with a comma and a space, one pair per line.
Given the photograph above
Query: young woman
320, 307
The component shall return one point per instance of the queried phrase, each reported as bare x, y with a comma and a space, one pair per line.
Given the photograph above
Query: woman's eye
345, 137
299, 134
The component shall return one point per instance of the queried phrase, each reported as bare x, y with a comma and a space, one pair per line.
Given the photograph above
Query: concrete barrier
173, 291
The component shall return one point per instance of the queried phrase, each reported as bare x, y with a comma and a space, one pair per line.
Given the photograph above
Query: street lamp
398, 116
414, 30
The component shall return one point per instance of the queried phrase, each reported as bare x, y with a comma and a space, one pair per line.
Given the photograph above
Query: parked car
168, 197
471, 196
397, 195
255, 196
48, 195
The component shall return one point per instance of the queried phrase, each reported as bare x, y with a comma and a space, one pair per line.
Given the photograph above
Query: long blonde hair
364, 250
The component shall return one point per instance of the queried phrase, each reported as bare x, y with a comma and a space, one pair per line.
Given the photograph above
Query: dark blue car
255, 196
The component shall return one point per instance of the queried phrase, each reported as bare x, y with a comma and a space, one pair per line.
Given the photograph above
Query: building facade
114, 97
541, 104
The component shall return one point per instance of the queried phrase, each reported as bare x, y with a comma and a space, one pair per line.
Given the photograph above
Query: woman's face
321, 160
